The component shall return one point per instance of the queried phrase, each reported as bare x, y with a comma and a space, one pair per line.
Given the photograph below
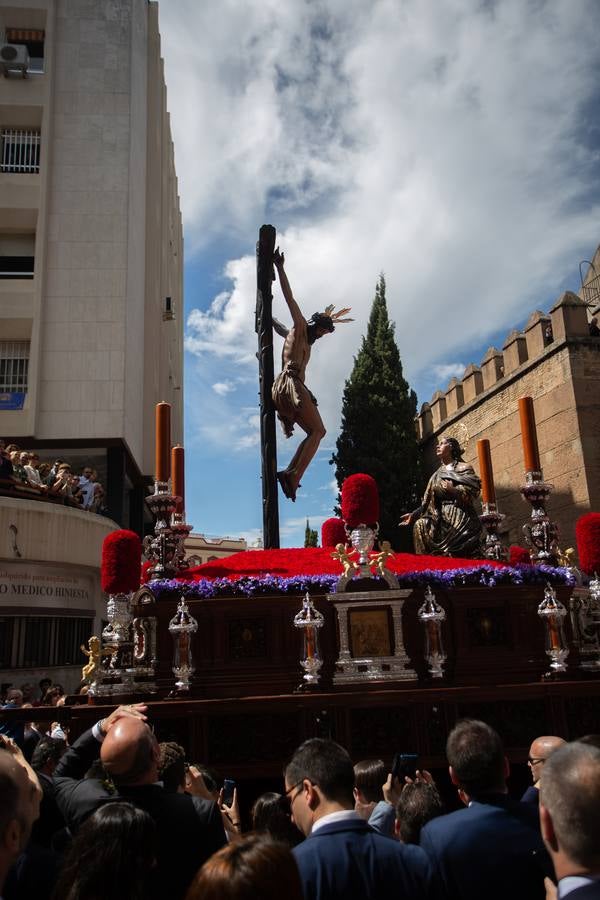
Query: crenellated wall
555, 361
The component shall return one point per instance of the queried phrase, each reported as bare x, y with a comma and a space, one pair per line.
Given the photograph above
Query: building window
14, 367
17, 255
42, 641
20, 151
33, 39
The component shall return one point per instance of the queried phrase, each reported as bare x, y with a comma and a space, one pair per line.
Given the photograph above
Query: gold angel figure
380, 558
340, 554
94, 654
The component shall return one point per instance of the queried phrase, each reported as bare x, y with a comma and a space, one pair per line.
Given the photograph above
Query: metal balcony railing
20, 151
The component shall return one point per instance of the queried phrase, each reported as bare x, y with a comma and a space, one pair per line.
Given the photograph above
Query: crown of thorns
333, 318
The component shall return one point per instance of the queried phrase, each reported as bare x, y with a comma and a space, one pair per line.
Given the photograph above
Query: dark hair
593, 740
245, 870
271, 815
325, 764
418, 804
457, 450
570, 791
112, 856
171, 766
369, 777
47, 750
475, 752
318, 320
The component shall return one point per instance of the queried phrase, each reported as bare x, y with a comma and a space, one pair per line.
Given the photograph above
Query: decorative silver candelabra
117, 675
491, 520
552, 612
181, 531
431, 615
162, 547
585, 619
181, 628
541, 533
363, 538
310, 620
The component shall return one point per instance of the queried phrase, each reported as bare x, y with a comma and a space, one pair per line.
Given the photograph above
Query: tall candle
178, 476
486, 473
163, 441
531, 453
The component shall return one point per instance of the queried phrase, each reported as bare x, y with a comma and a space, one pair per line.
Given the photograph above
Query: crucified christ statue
293, 401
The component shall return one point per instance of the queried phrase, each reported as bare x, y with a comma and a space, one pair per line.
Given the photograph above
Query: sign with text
36, 585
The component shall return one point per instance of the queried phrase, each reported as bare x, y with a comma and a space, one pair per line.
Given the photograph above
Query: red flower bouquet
518, 555
360, 500
121, 557
587, 532
333, 532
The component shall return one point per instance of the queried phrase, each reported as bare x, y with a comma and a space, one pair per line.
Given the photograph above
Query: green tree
311, 537
378, 434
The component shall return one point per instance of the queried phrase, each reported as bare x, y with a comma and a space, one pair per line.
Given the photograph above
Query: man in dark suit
342, 856
189, 829
492, 848
570, 819
539, 752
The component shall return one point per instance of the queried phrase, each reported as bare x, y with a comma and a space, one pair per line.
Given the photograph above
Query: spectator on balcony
19, 472
6, 466
86, 487
61, 485
44, 471
33, 469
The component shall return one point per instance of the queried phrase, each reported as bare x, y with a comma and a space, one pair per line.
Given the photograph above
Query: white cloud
443, 144
444, 371
223, 387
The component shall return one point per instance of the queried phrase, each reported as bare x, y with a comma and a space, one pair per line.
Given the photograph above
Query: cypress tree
378, 434
311, 536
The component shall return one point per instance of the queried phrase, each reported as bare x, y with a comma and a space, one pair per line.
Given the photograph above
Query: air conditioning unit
14, 58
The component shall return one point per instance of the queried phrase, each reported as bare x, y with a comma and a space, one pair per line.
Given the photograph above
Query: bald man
190, 829
540, 750
20, 796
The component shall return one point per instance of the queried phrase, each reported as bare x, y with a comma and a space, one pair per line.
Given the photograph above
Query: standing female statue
446, 523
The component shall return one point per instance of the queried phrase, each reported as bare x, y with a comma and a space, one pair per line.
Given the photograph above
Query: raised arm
278, 262
281, 330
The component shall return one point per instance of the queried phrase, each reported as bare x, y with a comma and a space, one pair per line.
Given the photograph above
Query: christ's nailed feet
286, 487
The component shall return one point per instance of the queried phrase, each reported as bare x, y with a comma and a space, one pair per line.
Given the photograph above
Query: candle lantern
552, 612
310, 620
541, 533
181, 628
431, 615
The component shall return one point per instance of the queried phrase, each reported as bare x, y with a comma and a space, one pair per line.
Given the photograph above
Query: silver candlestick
491, 520
552, 612
181, 531
541, 533
161, 548
431, 615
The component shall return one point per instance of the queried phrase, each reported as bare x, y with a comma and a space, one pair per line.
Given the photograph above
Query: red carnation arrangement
360, 500
121, 557
333, 532
587, 532
518, 556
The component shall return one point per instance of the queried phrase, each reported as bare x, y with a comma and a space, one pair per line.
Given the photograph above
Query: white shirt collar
571, 883
342, 816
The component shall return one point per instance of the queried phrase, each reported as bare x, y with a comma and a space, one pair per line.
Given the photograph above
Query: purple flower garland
256, 586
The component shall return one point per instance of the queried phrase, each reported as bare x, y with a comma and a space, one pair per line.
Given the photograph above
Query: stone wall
556, 362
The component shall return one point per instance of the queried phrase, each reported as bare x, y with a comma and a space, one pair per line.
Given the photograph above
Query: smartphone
228, 789
405, 764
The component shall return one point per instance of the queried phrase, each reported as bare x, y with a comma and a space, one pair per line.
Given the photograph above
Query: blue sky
452, 145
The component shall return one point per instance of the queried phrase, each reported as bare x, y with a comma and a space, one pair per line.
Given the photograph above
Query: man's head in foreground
476, 759
130, 753
319, 780
539, 752
570, 809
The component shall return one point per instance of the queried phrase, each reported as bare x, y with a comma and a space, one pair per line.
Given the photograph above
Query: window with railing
41, 641
33, 39
20, 150
14, 367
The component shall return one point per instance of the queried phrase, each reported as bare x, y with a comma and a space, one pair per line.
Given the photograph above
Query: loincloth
287, 396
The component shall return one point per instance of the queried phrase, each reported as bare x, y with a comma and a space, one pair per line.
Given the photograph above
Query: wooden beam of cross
264, 329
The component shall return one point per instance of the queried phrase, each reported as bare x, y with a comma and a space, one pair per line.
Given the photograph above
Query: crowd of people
53, 480
119, 815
